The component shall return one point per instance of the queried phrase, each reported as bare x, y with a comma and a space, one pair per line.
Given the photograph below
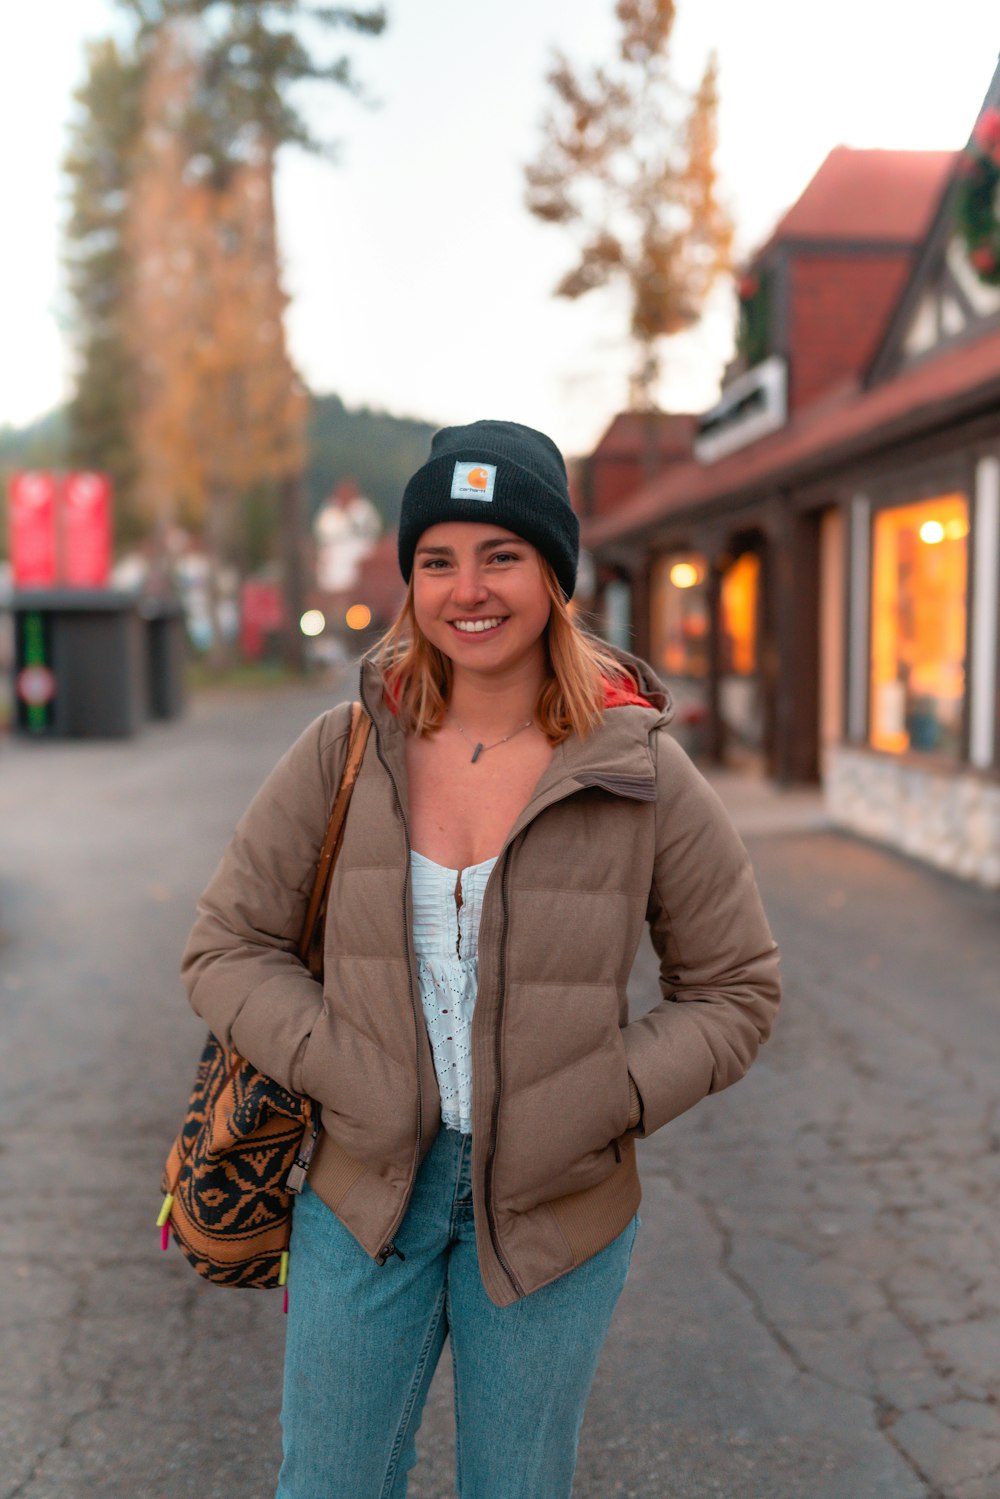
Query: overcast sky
420, 283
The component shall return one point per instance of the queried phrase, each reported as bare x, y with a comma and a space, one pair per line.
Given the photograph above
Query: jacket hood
646, 681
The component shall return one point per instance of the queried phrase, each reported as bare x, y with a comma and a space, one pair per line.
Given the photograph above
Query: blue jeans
363, 1343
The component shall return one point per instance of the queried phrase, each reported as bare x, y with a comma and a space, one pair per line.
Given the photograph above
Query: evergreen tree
98, 165
252, 57
628, 163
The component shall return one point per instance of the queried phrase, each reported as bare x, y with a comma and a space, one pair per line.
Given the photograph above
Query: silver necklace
481, 748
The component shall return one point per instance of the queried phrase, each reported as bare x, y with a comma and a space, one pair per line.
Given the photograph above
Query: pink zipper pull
163, 1220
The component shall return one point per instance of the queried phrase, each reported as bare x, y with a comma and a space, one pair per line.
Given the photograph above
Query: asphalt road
813, 1310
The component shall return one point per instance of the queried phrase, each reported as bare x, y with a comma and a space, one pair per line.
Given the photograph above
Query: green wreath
754, 315
978, 195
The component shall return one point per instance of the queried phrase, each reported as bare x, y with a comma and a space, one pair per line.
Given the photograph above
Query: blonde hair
417, 676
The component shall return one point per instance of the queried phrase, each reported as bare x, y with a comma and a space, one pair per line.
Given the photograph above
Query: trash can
80, 663
166, 648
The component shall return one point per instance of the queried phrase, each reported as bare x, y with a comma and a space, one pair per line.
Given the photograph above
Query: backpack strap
357, 739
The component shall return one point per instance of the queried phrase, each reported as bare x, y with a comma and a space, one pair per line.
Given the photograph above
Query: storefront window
679, 615
919, 571
740, 584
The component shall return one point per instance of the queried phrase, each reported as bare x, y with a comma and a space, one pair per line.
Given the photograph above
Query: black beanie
495, 471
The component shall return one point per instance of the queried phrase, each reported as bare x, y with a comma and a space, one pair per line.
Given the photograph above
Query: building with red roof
821, 569
835, 265
637, 447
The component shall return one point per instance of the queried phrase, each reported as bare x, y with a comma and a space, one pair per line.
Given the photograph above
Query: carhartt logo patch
473, 481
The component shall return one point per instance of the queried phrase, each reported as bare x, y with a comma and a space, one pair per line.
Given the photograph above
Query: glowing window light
313, 622
918, 627
956, 529
358, 617
684, 575
739, 609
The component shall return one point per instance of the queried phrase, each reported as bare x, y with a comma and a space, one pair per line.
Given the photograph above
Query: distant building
821, 573
636, 448
345, 530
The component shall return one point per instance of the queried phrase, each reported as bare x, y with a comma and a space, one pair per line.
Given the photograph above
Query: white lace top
445, 935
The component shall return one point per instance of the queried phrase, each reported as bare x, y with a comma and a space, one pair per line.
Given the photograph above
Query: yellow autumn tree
218, 409
627, 165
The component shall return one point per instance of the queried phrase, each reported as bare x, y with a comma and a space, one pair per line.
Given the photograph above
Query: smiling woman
521, 811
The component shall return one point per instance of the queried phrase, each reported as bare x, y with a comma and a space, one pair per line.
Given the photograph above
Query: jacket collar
616, 756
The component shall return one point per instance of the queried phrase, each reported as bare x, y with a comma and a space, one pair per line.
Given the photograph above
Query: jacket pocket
559, 1134
367, 1097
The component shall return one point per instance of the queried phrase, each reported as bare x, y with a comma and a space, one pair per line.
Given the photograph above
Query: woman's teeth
475, 626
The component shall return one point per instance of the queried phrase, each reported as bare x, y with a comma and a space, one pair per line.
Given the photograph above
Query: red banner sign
32, 525
262, 613
86, 530
60, 530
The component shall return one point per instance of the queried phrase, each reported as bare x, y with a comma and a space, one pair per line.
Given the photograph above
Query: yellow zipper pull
163, 1220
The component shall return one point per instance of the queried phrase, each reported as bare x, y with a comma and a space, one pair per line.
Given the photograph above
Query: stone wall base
951, 821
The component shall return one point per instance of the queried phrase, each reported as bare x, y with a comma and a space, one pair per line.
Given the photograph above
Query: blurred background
742, 263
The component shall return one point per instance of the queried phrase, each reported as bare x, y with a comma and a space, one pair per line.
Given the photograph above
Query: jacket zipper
388, 1248
498, 1037
386, 1253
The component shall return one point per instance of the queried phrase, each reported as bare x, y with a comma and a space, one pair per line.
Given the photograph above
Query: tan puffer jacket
621, 830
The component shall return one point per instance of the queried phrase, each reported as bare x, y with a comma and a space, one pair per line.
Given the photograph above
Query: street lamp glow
358, 617
684, 575
932, 532
313, 622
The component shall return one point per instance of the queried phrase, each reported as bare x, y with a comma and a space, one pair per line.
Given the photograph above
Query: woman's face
479, 595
